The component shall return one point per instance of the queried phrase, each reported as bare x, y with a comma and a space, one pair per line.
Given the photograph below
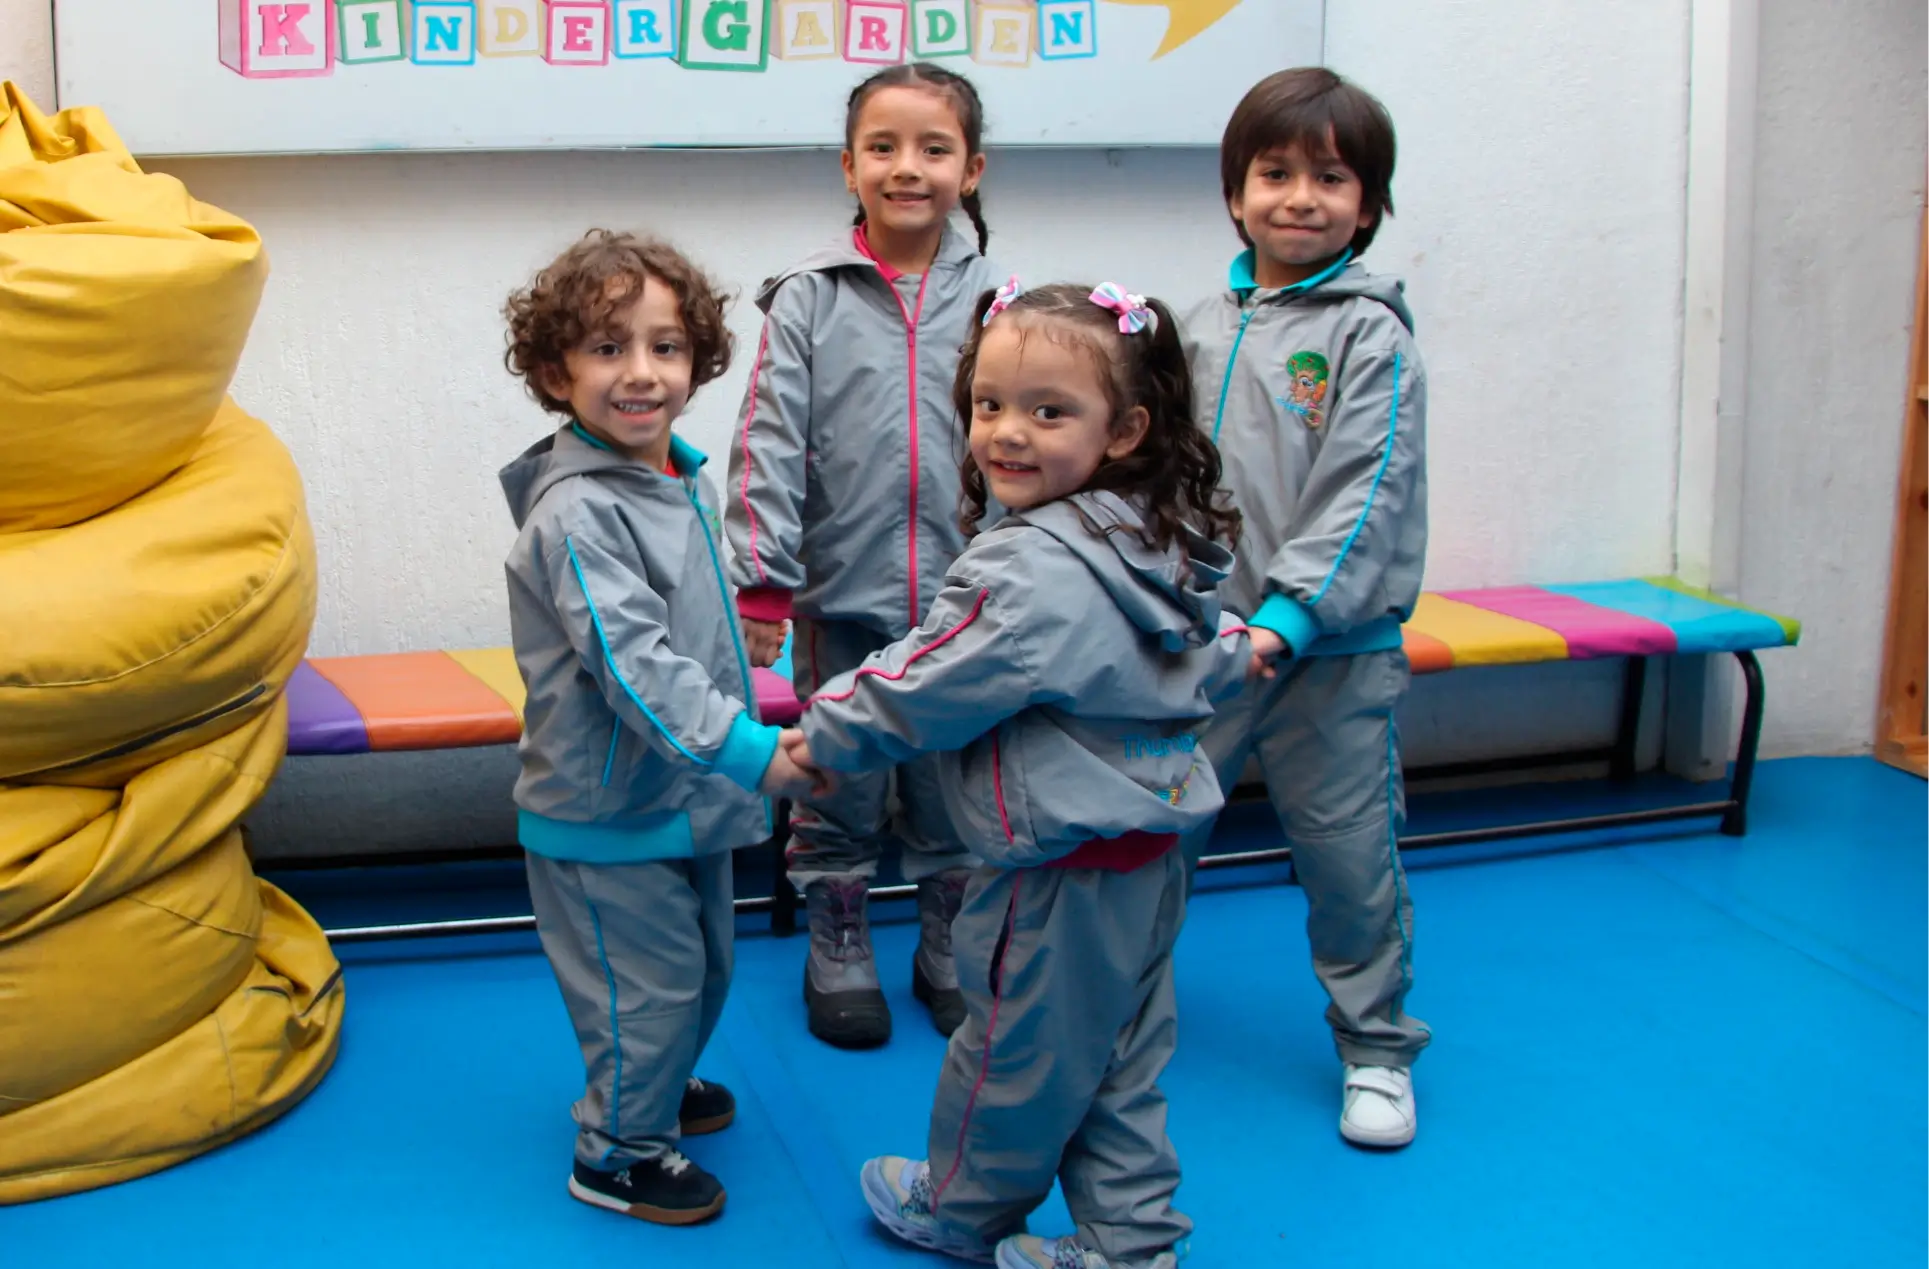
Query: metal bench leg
783, 895
1634, 689
1734, 822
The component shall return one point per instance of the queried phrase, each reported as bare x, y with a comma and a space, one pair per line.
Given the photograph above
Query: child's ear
850, 172
554, 381
973, 173
1129, 432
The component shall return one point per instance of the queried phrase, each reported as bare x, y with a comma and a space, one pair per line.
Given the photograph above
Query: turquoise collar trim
685, 457
1240, 276
585, 435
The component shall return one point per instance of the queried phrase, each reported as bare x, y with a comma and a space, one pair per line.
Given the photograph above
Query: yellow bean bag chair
156, 998
160, 623
124, 304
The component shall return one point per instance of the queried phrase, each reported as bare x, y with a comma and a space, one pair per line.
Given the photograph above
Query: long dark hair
954, 88
1175, 470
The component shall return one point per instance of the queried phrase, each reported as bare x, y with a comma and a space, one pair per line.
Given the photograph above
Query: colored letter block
940, 28
509, 28
262, 40
646, 28
369, 31
876, 31
576, 32
442, 32
1002, 32
806, 29
725, 35
1067, 29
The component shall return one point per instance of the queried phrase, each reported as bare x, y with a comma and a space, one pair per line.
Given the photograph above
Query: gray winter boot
934, 976
840, 979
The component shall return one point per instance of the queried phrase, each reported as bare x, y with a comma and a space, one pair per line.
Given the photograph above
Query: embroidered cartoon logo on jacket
1306, 387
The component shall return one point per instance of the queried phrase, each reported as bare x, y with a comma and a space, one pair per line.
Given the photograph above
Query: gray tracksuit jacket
1068, 666
843, 490
1317, 397
637, 743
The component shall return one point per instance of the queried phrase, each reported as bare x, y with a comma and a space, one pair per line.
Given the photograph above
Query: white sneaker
1379, 1108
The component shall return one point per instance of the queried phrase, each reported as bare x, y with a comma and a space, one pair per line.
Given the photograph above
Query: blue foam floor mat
1663, 1049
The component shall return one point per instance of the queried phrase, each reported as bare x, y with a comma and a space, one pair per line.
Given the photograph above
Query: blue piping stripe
616, 1036
723, 589
1225, 385
609, 763
736, 638
602, 639
1399, 873
1392, 428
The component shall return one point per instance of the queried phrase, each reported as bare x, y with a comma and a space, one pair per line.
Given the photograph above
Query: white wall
27, 47
1540, 226
1837, 231
1540, 223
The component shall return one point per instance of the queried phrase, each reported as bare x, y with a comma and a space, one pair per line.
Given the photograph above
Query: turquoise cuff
747, 751
1290, 620
662, 837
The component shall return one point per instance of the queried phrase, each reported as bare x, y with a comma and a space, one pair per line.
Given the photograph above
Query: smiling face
1300, 209
628, 382
908, 163
1041, 422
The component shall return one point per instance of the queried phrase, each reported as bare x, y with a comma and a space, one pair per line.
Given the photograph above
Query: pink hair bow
1134, 316
1002, 300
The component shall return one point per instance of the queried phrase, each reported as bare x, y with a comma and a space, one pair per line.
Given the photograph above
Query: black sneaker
667, 1190
706, 1108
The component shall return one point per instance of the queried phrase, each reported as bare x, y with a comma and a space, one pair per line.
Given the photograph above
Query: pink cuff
763, 603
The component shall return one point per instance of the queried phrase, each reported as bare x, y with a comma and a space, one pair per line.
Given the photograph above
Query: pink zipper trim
998, 789
749, 417
911, 317
984, 1064
911, 346
867, 672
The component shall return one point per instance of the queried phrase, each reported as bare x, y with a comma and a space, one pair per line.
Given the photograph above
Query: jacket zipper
1225, 385
911, 319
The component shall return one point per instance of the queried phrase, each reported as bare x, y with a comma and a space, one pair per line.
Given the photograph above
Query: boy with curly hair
643, 762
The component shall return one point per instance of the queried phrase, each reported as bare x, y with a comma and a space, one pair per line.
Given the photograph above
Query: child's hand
763, 641
791, 772
783, 778
1267, 648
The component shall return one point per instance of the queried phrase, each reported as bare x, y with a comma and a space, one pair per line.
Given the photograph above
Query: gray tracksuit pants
1326, 739
643, 953
1067, 976
846, 832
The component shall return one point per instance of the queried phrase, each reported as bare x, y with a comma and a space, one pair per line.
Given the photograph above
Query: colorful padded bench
454, 700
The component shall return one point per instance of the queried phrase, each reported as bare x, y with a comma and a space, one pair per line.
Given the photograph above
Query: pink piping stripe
933, 646
984, 1066
998, 789
749, 417
1233, 630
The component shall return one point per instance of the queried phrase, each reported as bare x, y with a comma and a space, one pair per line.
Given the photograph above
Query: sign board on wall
269, 76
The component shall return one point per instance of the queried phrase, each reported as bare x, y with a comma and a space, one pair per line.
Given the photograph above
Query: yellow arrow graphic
1184, 18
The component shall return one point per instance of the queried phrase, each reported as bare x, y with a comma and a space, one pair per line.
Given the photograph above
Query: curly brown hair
1175, 469
581, 292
